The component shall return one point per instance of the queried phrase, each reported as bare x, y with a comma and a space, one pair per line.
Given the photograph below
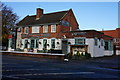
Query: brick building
59, 32
116, 41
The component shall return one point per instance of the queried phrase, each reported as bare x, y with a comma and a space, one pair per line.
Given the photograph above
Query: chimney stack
39, 13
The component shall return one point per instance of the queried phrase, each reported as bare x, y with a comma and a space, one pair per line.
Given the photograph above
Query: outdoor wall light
39, 42
47, 44
69, 42
58, 43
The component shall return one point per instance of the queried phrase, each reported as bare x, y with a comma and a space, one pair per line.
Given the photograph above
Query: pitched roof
112, 33
45, 18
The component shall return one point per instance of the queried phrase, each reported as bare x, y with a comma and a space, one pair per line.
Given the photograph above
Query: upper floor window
65, 23
26, 30
80, 41
35, 29
45, 29
96, 41
53, 28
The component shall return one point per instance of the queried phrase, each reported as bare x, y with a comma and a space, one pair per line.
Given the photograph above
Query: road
29, 68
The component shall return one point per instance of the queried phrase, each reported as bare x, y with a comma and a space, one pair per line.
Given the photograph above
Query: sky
89, 15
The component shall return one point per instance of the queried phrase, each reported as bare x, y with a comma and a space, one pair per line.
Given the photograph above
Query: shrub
87, 55
18, 49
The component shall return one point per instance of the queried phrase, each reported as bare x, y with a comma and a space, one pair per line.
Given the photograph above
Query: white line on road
30, 69
62, 73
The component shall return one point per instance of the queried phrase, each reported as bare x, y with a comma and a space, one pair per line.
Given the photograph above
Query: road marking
16, 77
29, 69
66, 73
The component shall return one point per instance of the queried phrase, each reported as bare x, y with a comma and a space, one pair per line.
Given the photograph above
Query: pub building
59, 32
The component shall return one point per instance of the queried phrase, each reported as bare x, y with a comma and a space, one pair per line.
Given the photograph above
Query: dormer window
53, 28
45, 28
65, 23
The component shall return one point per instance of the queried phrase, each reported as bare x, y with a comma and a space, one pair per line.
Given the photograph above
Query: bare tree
9, 19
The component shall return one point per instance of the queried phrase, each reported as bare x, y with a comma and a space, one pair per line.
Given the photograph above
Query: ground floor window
32, 43
26, 43
80, 41
52, 43
45, 43
37, 41
108, 45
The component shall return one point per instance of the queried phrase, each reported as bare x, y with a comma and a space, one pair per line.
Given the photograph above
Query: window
26, 43
53, 28
19, 29
45, 29
45, 43
108, 45
35, 29
37, 41
96, 41
32, 43
52, 43
80, 41
102, 42
65, 23
26, 30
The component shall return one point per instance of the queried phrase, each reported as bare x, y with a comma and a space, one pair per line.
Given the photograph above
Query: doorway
64, 46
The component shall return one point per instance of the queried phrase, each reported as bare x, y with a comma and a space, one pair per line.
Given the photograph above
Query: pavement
29, 68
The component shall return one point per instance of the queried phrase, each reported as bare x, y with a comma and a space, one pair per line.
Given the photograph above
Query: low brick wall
34, 55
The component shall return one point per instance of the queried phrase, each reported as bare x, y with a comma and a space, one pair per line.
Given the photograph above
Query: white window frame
53, 28
102, 42
96, 41
35, 29
45, 28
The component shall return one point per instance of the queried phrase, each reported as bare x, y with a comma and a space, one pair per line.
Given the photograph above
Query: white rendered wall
22, 47
98, 50
117, 52
108, 53
18, 40
90, 43
58, 46
72, 41
95, 51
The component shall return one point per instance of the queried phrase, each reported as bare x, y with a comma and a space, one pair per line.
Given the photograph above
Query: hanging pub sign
9, 36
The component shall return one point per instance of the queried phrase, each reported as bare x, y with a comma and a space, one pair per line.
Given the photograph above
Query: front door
64, 46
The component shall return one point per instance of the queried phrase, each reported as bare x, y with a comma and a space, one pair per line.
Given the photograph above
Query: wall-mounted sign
9, 36
79, 33
35, 35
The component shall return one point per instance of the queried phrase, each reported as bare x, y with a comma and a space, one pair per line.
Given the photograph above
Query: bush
87, 55
44, 50
18, 49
